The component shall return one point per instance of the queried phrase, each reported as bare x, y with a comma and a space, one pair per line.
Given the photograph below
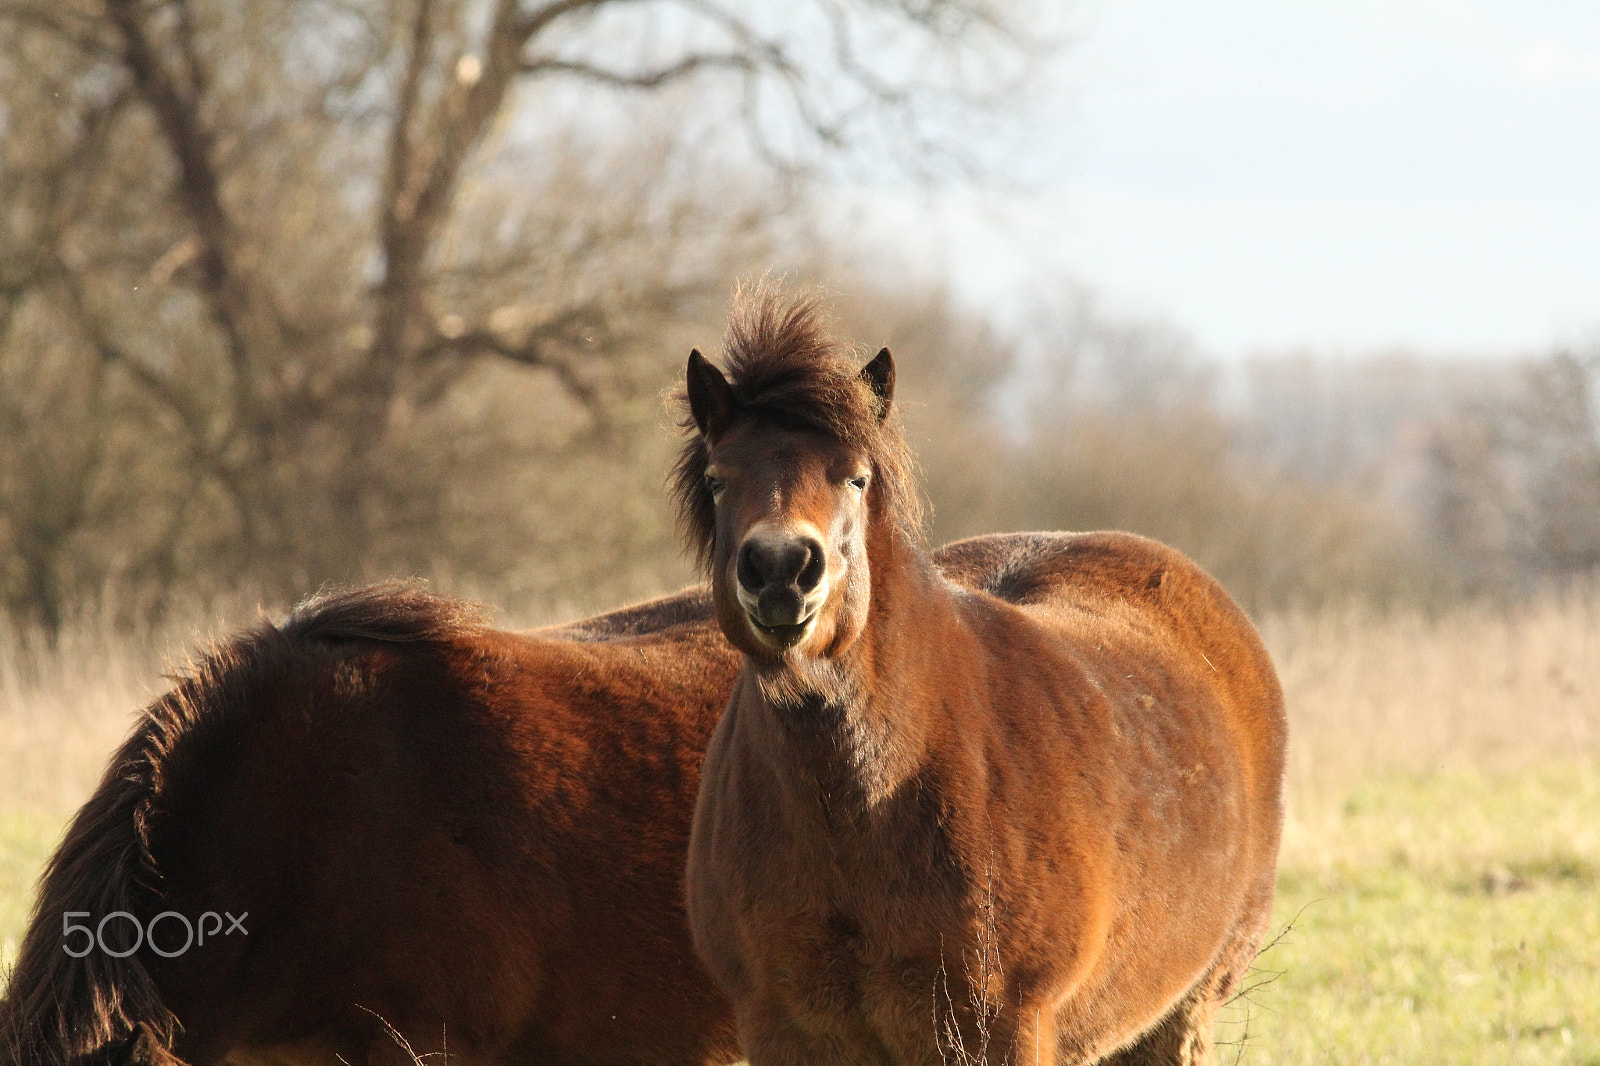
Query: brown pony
1023, 809
385, 821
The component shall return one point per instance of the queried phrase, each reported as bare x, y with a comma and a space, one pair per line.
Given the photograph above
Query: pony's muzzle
781, 581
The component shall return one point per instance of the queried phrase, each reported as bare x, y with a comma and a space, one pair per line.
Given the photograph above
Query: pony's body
473, 836
1100, 892
1025, 809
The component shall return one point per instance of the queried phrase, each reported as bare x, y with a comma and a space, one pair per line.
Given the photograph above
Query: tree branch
653, 79
194, 64
417, 189
398, 173
192, 144
534, 351
420, 188
60, 182
767, 55
206, 454
186, 134
112, 354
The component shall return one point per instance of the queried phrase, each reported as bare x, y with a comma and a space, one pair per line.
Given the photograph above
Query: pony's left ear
879, 376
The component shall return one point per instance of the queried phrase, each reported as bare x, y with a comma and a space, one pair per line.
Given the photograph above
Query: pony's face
789, 560
792, 513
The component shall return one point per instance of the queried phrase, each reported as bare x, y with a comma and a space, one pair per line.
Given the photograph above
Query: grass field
1450, 917
1439, 887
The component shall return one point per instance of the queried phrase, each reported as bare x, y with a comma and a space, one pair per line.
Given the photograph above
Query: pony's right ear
711, 398
879, 376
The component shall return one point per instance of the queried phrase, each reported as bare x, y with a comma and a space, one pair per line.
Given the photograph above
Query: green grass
26, 841
1444, 919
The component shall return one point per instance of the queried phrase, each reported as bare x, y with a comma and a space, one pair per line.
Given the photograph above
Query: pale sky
1337, 174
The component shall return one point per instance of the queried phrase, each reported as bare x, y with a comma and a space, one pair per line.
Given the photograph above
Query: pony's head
795, 474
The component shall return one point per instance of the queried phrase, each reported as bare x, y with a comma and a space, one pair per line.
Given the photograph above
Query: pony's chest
865, 940
874, 978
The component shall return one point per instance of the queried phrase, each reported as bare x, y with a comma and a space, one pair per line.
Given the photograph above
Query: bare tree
1513, 492
270, 265
1557, 440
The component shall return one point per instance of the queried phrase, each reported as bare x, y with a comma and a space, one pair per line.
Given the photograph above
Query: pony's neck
855, 719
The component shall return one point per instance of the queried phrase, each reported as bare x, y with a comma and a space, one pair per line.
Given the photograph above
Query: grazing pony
1022, 806
426, 831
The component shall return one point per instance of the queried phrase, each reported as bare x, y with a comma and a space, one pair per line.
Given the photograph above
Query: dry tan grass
1404, 690
63, 710
1481, 690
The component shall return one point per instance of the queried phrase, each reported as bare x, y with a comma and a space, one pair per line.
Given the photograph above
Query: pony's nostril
815, 565
750, 575
780, 561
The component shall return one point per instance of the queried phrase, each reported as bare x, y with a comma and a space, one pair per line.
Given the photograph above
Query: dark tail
101, 1010
66, 1011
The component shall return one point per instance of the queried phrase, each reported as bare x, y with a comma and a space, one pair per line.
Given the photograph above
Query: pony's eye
713, 485
859, 483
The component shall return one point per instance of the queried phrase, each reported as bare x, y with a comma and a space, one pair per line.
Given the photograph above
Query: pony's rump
396, 612
382, 820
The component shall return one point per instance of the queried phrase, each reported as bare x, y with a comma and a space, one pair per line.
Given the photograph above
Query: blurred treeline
306, 291
1297, 480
